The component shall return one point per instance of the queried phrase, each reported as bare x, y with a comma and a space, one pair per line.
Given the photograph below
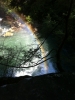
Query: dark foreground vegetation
45, 87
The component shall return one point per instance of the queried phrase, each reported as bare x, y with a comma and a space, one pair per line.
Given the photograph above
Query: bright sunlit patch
15, 32
1, 19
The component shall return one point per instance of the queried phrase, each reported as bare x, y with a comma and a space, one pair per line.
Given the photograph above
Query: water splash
16, 32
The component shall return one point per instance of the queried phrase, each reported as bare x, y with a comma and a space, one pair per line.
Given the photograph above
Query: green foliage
47, 26
28, 19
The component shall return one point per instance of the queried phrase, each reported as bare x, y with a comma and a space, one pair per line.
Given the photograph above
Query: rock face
45, 87
8, 34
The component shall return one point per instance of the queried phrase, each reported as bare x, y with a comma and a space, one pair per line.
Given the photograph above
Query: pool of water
21, 40
17, 44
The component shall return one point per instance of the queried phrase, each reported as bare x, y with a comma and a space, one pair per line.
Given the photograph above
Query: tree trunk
58, 59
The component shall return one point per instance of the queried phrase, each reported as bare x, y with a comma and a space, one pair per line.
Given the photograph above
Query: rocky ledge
60, 86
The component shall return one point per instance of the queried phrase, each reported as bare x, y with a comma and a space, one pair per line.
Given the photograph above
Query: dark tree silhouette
58, 54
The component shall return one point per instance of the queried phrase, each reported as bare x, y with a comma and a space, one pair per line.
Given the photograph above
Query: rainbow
42, 48
32, 30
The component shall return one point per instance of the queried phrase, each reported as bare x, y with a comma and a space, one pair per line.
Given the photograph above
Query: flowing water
16, 41
12, 39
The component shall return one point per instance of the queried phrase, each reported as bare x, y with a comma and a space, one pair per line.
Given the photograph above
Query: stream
14, 38
18, 42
